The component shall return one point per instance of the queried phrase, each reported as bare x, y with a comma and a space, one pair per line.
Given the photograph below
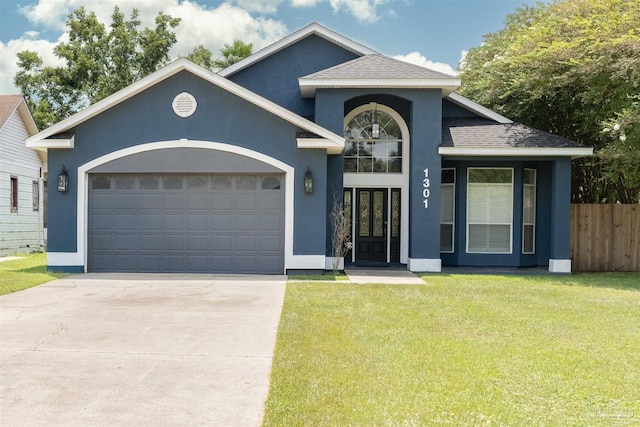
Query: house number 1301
425, 188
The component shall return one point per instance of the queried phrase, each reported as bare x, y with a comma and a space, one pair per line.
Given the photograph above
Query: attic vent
184, 104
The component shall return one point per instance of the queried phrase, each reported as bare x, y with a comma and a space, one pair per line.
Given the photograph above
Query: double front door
374, 215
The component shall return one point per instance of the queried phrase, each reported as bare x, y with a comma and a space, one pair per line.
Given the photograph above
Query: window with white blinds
447, 210
489, 210
529, 212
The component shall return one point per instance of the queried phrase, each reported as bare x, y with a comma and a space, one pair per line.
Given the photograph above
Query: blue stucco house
188, 170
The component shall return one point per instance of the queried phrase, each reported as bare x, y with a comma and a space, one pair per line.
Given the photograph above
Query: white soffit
474, 107
311, 29
38, 140
330, 146
308, 86
574, 153
66, 141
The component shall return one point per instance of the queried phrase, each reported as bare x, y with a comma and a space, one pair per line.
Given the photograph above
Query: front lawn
30, 270
462, 350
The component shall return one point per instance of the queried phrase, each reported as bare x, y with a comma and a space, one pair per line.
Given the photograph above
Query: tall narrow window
489, 210
14, 194
529, 212
447, 210
35, 197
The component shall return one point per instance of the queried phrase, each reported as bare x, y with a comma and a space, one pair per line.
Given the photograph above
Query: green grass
327, 275
23, 273
462, 350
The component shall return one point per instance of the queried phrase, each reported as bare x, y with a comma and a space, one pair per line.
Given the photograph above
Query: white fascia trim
432, 265
560, 265
305, 262
311, 29
308, 86
27, 117
53, 143
80, 255
330, 146
477, 108
166, 72
516, 152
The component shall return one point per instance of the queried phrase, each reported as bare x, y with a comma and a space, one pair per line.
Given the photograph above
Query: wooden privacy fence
605, 237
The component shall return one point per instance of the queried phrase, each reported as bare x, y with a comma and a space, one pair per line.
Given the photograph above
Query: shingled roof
483, 133
377, 71
8, 104
370, 67
478, 136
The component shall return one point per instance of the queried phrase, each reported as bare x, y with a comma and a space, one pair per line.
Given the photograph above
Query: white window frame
453, 208
387, 180
535, 206
510, 224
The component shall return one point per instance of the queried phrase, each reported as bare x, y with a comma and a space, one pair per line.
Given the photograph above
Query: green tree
98, 62
572, 68
201, 56
233, 53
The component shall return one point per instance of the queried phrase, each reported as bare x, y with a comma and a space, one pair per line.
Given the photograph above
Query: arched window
374, 143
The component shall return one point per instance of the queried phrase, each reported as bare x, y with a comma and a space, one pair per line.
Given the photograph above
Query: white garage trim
79, 258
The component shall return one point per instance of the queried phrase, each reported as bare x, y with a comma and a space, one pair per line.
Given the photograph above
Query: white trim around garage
79, 258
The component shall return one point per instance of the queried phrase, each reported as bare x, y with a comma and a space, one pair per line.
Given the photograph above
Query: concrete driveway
118, 349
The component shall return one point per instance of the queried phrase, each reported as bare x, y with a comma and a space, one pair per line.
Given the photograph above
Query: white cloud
52, 14
218, 26
362, 10
303, 3
210, 26
418, 59
9, 58
259, 6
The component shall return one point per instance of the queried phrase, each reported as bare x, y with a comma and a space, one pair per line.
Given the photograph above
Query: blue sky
433, 33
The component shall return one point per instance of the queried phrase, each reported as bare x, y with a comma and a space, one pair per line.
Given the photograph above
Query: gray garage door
186, 223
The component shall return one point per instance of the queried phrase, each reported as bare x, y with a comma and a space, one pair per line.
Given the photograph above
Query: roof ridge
382, 58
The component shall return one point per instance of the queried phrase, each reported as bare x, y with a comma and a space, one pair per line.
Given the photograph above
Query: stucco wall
220, 117
276, 77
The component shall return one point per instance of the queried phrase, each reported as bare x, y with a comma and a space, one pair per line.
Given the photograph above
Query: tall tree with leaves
98, 62
232, 53
570, 67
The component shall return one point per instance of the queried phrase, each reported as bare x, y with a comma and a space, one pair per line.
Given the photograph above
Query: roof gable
311, 29
9, 104
332, 142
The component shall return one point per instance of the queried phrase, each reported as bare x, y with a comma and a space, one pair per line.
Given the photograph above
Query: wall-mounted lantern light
308, 182
63, 180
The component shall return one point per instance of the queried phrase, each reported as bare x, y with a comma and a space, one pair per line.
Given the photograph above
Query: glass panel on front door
371, 239
373, 215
